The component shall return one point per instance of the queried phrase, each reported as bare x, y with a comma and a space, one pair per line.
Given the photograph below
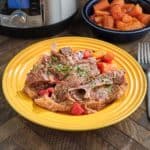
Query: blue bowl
114, 35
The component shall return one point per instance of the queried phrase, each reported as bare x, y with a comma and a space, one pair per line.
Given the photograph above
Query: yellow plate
20, 65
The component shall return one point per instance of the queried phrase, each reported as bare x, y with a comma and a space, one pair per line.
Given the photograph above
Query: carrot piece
133, 25
109, 67
101, 5
127, 18
127, 8
98, 19
99, 58
108, 57
118, 2
101, 13
144, 18
108, 22
136, 11
120, 25
136, 24
99, 24
117, 12
106, 67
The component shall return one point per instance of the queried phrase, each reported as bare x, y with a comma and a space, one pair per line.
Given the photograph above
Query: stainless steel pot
23, 14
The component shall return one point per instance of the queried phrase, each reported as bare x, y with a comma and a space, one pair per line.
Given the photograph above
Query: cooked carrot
117, 2
136, 24
98, 19
100, 12
136, 11
99, 24
133, 25
117, 12
119, 15
120, 24
106, 67
127, 18
101, 5
127, 7
108, 22
144, 18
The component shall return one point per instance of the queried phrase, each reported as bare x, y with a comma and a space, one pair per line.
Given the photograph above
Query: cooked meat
105, 93
104, 87
65, 77
49, 104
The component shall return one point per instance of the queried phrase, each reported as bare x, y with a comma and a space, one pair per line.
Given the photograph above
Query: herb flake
82, 72
65, 69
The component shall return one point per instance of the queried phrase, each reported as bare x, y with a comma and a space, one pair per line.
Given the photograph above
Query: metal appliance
49, 16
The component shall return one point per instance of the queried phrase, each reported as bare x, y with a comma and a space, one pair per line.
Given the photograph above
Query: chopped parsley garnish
82, 72
54, 59
63, 68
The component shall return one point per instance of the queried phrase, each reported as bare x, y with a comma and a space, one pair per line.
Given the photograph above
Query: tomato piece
48, 92
77, 109
86, 54
107, 58
100, 66
43, 92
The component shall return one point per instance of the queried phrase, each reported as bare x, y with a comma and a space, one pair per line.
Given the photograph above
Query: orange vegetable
108, 22
109, 67
117, 2
101, 5
98, 19
99, 24
119, 15
144, 18
117, 12
107, 58
101, 13
120, 25
127, 8
133, 25
106, 67
136, 11
126, 18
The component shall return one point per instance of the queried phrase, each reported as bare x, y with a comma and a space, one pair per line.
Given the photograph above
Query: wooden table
17, 133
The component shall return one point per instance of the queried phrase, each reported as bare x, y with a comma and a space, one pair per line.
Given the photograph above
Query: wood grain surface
17, 133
